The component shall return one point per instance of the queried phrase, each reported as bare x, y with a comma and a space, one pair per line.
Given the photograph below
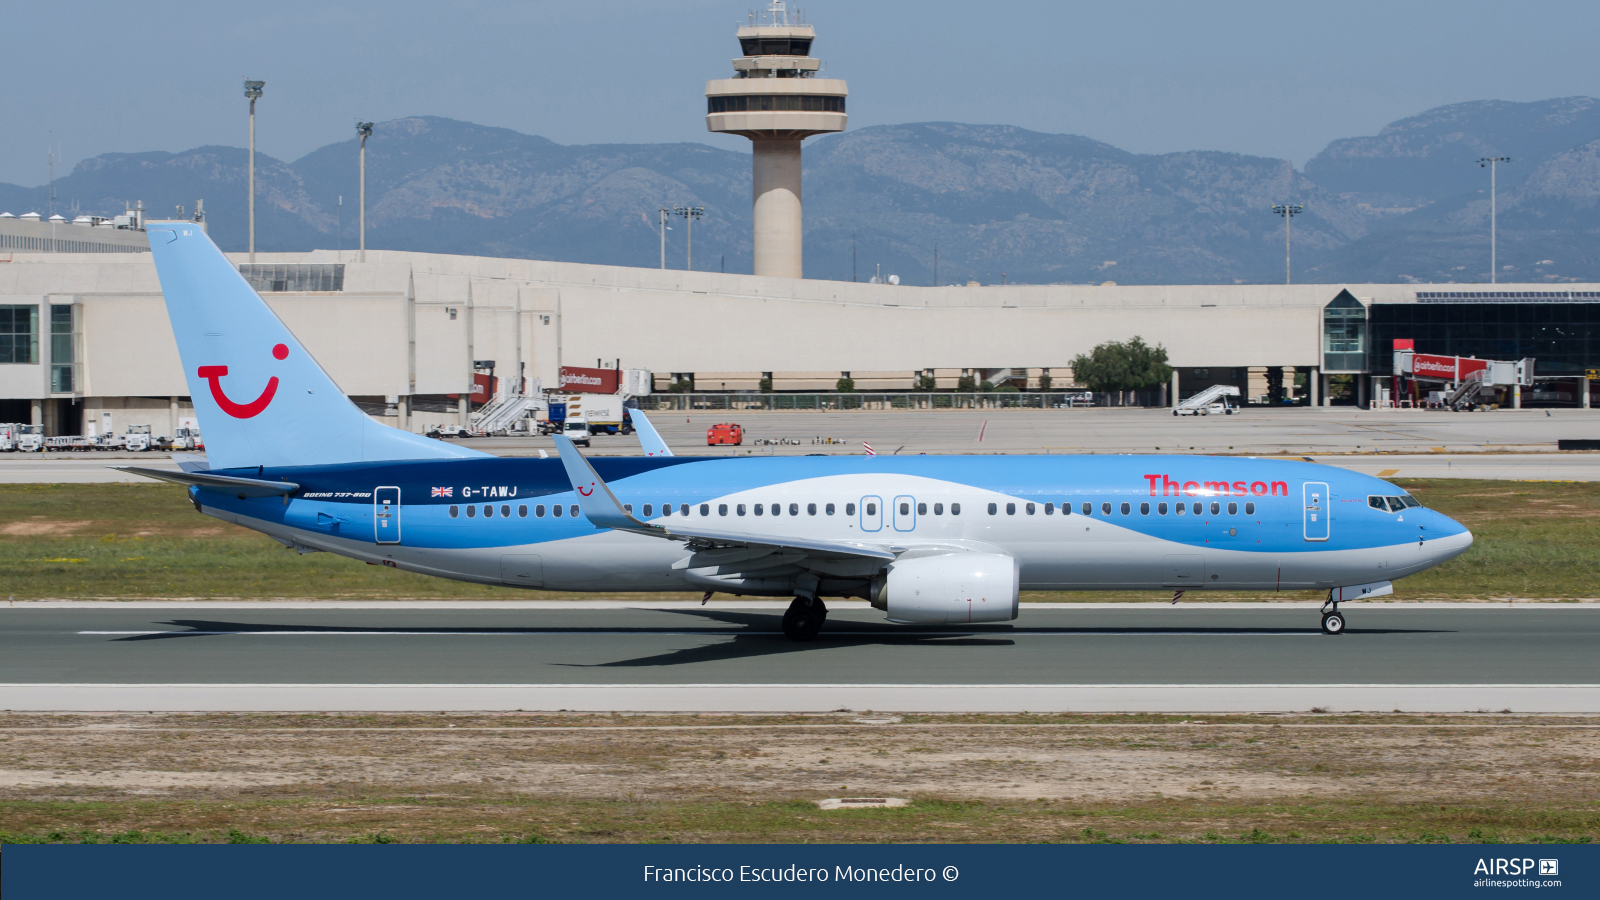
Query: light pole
364, 130
1492, 162
252, 90
1288, 213
689, 213
664, 229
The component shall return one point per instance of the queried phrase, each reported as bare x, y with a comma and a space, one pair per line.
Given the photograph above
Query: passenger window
666, 509
922, 509
1161, 509
1249, 509
705, 509
1105, 509
455, 511
872, 509
1199, 508
1215, 507
955, 509
722, 509
522, 512
1126, 509
1144, 509
683, 509
627, 508
1049, 509
811, 509
758, 510
849, 509
993, 508
1066, 509
1028, 508
472, 512
938, 509
505, 511
648, 510
905, 509
794, 509
1233, 509
828, 509
739, 509
538, 511
554, 511
573, 511
488, 511
1180, 508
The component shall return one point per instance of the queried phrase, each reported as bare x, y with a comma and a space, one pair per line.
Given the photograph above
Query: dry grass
586, 778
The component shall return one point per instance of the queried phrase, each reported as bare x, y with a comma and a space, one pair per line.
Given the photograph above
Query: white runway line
648, 632
757, 698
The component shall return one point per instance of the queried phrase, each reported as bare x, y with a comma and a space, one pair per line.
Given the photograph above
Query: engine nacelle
954, 588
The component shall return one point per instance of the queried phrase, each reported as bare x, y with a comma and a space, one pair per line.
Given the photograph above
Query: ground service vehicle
724, 433
137, 439
577, 431
30, 438
929, 540
601, 413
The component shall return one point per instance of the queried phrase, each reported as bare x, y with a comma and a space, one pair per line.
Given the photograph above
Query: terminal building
85, 343
86, 348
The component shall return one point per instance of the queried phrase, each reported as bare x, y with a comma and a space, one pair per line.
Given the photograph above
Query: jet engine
953, 588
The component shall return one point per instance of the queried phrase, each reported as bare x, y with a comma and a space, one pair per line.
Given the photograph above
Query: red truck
725, 433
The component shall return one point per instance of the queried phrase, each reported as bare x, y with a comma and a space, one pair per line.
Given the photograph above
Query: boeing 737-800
926, 539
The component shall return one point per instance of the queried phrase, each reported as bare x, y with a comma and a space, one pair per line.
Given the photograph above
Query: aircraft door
871, 513
386, 515
905, 513
1316, 510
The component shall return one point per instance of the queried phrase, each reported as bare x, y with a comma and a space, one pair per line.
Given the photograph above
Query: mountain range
980, 202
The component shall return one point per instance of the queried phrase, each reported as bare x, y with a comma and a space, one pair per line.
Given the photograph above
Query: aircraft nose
1455, 540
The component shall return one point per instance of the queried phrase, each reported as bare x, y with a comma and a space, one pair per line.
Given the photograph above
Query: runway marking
708, 633
1387, 472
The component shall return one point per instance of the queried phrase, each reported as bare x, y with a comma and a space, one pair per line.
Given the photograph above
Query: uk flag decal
443, 492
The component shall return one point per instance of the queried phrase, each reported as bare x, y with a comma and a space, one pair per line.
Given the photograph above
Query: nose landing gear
804, 619
1332, 619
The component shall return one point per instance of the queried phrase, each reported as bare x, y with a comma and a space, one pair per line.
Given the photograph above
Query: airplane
925, 539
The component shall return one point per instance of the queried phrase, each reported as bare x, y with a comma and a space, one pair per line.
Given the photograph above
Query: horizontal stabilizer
229, 484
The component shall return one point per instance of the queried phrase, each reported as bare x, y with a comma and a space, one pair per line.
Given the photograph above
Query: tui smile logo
214, 374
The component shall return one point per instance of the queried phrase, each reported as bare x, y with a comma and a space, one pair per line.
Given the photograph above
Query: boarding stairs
502, 412
1200, 403
1465, 394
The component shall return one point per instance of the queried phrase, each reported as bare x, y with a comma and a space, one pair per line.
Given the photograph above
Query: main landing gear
804, 619
1332, 619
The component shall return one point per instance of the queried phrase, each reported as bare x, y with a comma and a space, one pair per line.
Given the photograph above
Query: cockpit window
1393, 504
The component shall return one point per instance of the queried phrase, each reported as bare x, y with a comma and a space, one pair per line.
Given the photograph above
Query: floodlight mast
364, 131
1288, 213
1491, 162
689, 213
662, 214
252, 91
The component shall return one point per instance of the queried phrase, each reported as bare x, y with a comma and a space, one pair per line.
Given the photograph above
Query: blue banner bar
1191, 872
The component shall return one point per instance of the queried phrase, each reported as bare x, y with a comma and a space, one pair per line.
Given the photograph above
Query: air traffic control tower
775, 100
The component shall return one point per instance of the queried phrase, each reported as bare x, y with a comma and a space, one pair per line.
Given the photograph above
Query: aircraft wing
649, 438
601, 507
229, 484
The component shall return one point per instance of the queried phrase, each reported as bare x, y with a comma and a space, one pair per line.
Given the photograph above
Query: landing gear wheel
1333, 623
804, 619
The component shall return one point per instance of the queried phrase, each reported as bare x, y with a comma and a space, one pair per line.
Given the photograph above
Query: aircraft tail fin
260, 397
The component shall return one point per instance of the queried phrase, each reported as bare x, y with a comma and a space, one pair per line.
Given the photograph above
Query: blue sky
1270, 78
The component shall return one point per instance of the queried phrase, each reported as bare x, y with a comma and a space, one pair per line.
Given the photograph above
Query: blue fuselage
1071, 522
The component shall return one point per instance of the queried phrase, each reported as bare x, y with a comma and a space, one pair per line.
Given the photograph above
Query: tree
1117, 366
966, 384
765, 384
1044, 381
926, 383
845, 385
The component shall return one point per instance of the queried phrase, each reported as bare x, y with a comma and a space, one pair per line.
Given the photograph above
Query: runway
1413, 657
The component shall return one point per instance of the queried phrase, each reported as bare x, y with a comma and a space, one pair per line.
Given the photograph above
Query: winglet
649, 438
599, 505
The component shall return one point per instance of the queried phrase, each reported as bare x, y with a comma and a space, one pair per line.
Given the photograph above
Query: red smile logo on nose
214, 375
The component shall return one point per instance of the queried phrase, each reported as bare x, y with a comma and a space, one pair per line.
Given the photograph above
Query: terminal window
61, 348
268, 279
19, 334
